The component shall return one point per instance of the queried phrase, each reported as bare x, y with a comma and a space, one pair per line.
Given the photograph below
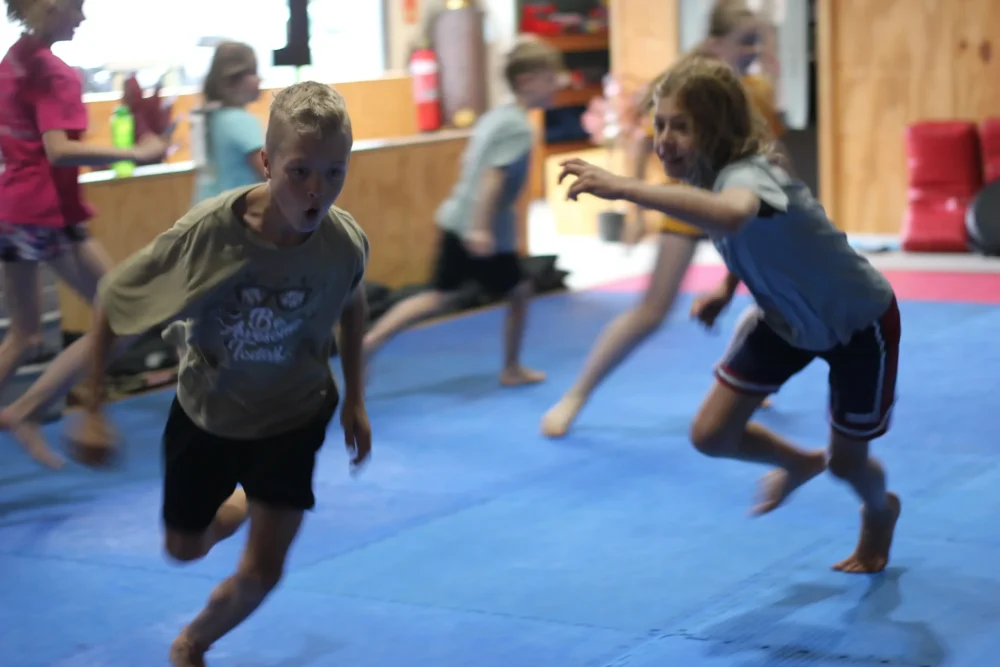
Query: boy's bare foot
777, 485
519, 375
872, 553
559, 418
185, 653
766, 404
29, 436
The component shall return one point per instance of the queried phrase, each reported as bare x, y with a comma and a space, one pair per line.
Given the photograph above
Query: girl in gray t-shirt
816, 297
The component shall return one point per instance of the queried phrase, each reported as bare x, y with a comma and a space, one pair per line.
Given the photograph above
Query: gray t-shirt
256, 320
501, 140
815, 291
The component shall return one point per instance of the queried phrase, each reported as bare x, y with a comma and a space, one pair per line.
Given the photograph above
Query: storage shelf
577, 96
578, 43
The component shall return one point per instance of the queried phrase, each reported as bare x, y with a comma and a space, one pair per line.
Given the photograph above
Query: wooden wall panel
379, 108
393, 189
882, 66
645, 39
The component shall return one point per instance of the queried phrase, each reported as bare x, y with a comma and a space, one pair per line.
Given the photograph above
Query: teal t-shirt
233, 134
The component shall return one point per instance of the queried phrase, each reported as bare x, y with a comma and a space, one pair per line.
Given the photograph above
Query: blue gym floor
471, 541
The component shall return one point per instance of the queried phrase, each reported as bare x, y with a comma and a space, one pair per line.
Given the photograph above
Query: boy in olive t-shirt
255, 281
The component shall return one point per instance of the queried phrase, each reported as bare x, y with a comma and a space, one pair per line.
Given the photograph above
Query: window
347, 40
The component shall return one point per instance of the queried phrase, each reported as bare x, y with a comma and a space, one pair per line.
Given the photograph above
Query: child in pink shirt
43, 216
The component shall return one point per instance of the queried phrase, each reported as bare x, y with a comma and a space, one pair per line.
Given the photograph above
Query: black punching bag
457, 35
296, 52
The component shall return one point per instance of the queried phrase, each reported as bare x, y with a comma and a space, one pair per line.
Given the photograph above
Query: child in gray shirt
816, 297
478, 221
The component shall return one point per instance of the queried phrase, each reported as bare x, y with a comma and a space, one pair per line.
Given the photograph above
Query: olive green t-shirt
256, 320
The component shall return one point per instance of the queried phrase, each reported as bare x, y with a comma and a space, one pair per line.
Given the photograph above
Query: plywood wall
645, 39
380, 109
883, 65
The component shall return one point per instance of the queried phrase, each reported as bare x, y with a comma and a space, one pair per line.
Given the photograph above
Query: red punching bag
426, 89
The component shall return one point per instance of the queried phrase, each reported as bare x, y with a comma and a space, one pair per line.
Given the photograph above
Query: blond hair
727, 16
307, 108
530, 55
725, 124
27, 13
230, 62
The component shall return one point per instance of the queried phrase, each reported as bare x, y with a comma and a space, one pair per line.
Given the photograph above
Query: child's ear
267, 163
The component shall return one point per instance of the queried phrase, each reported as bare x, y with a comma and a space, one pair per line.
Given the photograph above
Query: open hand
591, 179
93, 442
151, 149
357, 433
707, 307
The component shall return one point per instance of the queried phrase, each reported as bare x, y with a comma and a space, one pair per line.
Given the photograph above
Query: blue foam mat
472, 540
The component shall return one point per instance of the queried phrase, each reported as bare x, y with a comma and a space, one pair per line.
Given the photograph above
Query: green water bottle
123, 136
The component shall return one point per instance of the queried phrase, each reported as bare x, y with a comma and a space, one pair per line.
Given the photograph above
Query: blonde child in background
228, 138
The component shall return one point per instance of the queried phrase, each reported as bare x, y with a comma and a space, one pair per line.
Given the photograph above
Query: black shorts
862, 372
497, 274
202, 470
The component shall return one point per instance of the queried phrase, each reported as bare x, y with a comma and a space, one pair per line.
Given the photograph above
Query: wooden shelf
566, 147
577, 96
578, 43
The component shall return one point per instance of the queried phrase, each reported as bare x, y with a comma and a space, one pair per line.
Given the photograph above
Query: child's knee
712, 438
184, 547
522, 291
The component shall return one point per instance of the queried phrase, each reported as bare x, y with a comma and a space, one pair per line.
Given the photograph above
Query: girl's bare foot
519, 375
777, 485
560, 417
877, 530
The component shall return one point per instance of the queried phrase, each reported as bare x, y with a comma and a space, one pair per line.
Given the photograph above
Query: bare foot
559, 418
767, 403
519, 375
872, 553
184, 652
29, 436
778, 484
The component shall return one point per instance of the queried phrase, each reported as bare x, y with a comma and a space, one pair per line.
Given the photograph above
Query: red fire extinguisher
426, 93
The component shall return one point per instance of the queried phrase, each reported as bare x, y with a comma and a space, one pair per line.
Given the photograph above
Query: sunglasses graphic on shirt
288, 299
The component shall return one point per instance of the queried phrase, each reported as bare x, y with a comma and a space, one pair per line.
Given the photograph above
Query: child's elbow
738, 208
56, 148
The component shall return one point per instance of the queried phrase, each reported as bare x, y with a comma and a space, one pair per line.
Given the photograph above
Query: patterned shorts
34, 243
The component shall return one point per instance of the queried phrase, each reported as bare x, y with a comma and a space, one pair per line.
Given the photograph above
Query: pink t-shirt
38, 93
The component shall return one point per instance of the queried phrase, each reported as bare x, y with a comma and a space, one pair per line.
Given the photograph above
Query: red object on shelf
989, 133
945, 173
426, 89
411, 12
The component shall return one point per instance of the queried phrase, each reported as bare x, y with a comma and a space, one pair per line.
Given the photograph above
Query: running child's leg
862, 393
277, 474
757, 366
272, 531
626, 331
451, 270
